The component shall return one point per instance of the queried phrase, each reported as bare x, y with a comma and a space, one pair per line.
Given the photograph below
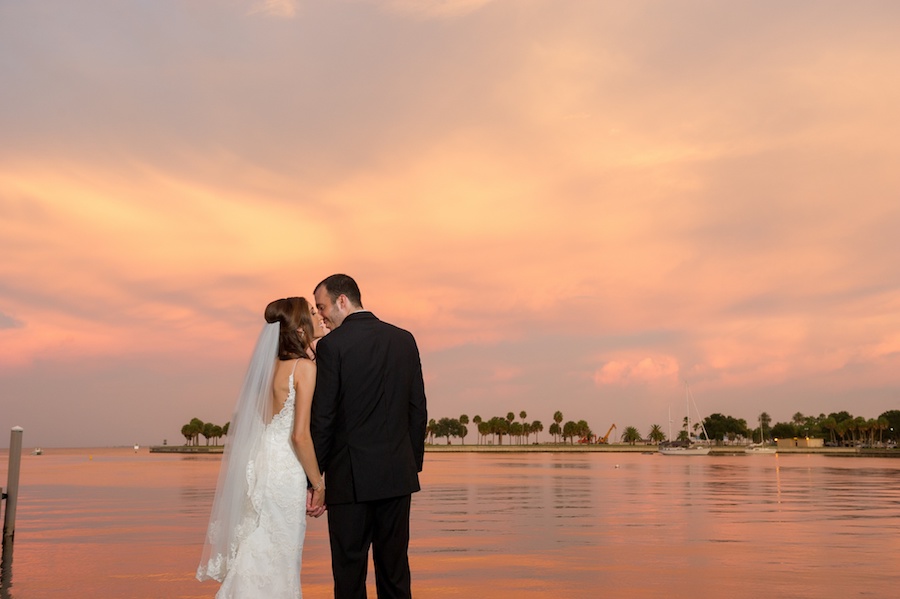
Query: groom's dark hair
338, 285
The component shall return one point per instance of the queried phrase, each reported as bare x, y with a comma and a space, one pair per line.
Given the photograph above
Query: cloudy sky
573, 205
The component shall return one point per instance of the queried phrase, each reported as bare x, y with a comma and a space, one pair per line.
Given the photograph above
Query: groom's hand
315, 502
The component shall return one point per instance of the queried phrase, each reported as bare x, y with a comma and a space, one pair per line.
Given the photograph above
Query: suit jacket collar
361, 315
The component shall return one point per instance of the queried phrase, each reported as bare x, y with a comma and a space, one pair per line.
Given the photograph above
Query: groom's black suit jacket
368, 411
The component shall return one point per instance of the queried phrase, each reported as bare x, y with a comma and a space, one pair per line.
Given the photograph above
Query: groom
368, 426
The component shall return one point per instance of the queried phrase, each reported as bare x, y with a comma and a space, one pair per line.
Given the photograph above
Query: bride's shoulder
305, 368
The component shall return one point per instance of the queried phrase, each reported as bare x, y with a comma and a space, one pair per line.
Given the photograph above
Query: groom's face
332, 312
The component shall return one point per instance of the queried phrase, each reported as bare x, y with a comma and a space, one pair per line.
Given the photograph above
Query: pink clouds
609, 197
637, 370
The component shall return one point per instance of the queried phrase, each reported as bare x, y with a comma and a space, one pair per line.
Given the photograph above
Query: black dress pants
383, 524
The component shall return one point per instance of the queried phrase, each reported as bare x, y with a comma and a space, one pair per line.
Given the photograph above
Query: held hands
315, 502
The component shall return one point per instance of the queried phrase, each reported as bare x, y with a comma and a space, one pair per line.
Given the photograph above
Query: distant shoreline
627, 448
190, 449
562, 448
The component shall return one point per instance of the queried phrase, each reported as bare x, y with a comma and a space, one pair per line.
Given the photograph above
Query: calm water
112, 523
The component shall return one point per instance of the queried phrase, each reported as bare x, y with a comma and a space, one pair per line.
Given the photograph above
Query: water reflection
579, 519
525, 525
6, 571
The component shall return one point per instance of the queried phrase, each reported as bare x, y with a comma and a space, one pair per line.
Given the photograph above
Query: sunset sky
573, 205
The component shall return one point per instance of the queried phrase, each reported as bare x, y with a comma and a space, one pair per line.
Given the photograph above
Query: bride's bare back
281, 383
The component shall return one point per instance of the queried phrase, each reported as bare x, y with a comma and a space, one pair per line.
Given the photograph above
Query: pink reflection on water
111, 523
647, 525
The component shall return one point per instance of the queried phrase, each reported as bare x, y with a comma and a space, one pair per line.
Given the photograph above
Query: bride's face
319, 328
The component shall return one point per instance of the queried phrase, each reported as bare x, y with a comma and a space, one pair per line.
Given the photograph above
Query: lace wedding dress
268, 545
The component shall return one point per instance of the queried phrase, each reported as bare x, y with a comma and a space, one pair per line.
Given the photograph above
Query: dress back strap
295, 366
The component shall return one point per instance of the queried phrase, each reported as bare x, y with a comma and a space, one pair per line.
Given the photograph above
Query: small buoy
617, 465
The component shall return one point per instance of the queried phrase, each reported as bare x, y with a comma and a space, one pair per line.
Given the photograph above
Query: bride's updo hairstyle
296, 326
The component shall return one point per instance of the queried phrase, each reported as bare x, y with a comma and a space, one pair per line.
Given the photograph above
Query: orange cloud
274, 8
432, 9
637, 370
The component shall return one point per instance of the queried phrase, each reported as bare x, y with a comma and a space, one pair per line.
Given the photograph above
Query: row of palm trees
196, 427
841, 427
518, 432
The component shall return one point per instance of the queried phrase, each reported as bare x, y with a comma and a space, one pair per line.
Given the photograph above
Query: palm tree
583, 430
499, 427
830, 424
484, 429
463, 431
841, 429
441, 428
862, 426
197, 428
883, 425
569, 430
554, 430
216, 434
558, 418
537, 427
764, 422
430, 430
631, 435
656, 434
477, 420
873, 428
188, 431
208, 431
516, 430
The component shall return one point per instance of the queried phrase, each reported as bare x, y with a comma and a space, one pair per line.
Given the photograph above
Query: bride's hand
315, 502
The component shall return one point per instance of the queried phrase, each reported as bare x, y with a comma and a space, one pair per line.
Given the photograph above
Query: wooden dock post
12, 498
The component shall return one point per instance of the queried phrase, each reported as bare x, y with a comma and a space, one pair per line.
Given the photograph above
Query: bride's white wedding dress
269, 544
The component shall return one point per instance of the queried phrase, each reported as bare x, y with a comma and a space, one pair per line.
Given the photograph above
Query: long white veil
232, 511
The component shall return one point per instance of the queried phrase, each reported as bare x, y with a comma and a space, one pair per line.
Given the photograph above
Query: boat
682, 448
760, 448
685, 447
37, 451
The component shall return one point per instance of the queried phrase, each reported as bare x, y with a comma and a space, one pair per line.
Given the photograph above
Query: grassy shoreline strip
561, 448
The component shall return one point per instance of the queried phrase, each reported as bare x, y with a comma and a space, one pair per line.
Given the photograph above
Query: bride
255, 537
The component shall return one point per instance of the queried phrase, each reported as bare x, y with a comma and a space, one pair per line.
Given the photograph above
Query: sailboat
762, 448
685, 447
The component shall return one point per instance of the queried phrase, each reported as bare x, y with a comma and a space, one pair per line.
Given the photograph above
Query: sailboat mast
687, 405
690, 400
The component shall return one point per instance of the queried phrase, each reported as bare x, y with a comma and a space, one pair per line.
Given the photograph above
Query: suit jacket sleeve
418, 413
325, 401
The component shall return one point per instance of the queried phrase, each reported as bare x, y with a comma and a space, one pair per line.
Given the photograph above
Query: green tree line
515, 431
837, 428
193, 430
